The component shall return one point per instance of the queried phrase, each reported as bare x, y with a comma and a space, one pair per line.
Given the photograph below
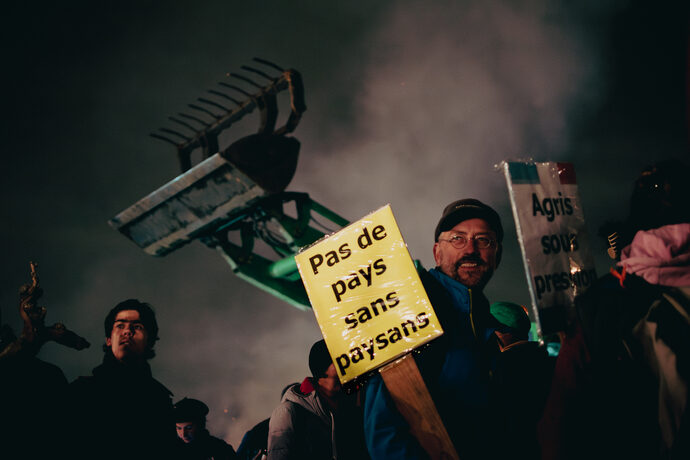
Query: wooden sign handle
412, 398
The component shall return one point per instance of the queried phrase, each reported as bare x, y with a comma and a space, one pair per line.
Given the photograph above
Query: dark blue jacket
456, 370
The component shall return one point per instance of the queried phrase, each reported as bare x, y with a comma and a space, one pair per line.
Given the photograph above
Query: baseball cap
468, 208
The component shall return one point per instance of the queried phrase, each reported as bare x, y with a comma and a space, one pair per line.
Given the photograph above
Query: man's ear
499, 253
108, 342
436, 253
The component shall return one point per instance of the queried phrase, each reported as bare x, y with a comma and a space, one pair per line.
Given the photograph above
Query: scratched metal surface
194, 201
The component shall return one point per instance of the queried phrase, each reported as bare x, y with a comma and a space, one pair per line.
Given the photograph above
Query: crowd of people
618, 388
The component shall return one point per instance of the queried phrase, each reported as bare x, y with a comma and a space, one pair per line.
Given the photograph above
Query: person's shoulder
283, 409
97, 379
616, 298
260, 428
83, 382
86, 392
161, 389
428, 280
295, 408
32, 370
49, 371
285, 417
218, 443
438, 295
617, 283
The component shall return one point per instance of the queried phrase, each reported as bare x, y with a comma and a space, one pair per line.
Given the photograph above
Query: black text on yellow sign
366, 295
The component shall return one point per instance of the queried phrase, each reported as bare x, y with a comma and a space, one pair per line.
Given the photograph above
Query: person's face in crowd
330, 384
128, 339
470, 265
187, 431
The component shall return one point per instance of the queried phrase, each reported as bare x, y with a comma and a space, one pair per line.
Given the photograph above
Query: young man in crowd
121, 410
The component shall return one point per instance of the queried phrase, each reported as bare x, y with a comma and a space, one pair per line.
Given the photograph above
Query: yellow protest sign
366, 294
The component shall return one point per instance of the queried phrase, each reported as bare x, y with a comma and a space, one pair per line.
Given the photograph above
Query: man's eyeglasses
460, 241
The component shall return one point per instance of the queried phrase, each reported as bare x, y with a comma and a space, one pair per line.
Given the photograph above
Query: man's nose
472, 247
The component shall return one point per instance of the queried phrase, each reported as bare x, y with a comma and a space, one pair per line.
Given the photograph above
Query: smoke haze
409, 103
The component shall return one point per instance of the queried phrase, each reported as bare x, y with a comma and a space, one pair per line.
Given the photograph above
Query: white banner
551, 230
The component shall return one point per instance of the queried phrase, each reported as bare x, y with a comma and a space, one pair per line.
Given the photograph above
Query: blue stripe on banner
523, 173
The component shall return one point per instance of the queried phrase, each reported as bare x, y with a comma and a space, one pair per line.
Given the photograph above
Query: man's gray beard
472, 281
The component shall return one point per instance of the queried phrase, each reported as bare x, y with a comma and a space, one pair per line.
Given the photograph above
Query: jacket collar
307, 386
459, 293
111, 368
469, 302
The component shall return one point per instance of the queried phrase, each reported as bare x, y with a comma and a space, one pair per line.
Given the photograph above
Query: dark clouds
409, 103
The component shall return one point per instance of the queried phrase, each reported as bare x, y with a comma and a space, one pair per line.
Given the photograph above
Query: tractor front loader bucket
237, 189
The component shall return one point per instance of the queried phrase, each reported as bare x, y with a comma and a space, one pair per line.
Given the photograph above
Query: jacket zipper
474, 329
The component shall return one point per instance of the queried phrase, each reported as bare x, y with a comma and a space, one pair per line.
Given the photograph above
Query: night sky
409, 103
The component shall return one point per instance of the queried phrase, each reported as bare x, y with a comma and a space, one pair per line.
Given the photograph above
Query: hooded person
196, 443
621, 381
315, 419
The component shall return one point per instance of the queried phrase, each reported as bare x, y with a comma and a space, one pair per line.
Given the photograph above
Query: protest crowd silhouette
617, 389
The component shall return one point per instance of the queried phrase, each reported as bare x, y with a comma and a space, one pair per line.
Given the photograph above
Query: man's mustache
469, 259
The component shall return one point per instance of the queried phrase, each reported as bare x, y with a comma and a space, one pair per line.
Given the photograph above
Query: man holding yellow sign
374, 308
456, 368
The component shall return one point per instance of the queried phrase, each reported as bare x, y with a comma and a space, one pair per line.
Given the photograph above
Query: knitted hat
319, 359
